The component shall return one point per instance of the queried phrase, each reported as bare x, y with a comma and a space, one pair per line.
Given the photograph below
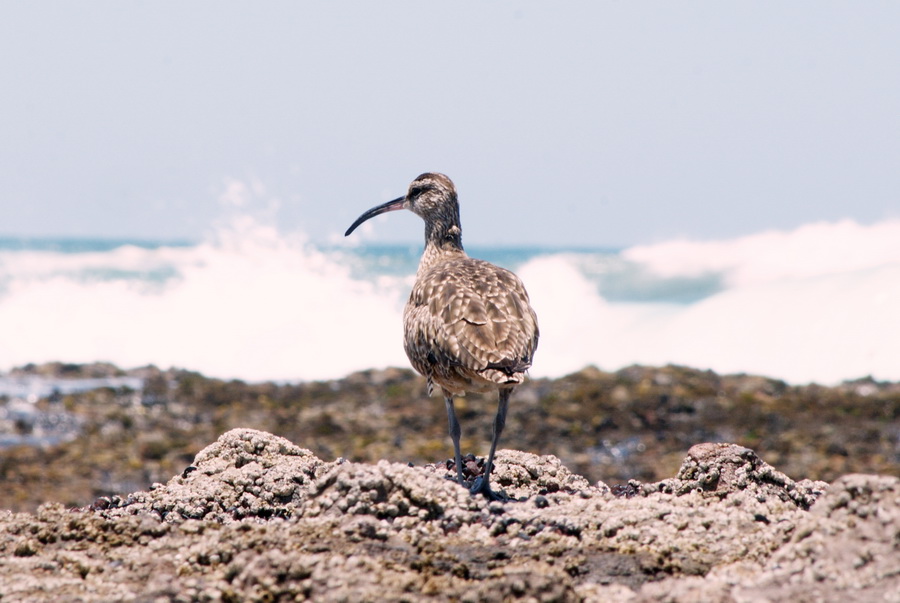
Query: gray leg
455, 432
483, 485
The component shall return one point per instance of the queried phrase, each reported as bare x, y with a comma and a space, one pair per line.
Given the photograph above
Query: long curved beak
377, 210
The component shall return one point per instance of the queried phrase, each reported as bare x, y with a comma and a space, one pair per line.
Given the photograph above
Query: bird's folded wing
477, 319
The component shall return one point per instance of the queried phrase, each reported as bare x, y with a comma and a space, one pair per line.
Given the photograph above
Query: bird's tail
507, 372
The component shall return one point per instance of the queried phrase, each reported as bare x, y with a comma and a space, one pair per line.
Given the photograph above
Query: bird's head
431, 196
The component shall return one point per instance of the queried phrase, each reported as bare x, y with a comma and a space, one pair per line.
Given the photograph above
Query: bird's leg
482, 484
455, 432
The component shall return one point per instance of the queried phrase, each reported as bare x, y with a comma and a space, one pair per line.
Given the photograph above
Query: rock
258, 518
634, 424
245, 473
725, 468
844, 549
386, 491
847, 548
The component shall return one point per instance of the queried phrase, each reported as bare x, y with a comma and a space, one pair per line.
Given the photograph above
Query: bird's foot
482, 486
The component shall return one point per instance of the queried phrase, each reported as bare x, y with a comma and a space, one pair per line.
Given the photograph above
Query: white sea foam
251, 304
813, 250
819, 303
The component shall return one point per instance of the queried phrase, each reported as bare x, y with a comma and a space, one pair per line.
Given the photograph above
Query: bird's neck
442, 242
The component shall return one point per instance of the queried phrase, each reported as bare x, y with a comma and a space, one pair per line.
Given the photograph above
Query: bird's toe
483, 488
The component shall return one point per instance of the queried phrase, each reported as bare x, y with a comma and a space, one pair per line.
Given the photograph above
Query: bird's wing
474, 315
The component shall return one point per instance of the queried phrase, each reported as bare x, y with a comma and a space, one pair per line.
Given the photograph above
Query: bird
468, 325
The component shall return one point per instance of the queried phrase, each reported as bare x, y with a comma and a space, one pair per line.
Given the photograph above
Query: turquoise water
79, 245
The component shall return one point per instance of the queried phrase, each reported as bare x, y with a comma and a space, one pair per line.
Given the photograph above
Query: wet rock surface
256, 517
635, 424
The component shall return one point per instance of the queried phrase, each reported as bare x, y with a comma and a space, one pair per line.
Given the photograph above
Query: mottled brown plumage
468, 325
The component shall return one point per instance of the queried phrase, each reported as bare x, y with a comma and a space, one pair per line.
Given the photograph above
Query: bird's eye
416, 191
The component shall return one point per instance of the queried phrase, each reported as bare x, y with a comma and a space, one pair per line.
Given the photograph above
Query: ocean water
819, 303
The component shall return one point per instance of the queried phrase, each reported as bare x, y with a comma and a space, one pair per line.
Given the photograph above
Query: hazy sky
579, 123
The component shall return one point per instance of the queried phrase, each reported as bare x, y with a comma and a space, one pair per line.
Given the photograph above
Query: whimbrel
468, 325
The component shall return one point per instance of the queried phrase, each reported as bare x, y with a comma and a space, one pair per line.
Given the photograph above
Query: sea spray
814, 304
249, 304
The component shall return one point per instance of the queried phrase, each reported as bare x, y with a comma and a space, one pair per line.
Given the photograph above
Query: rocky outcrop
256, 517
